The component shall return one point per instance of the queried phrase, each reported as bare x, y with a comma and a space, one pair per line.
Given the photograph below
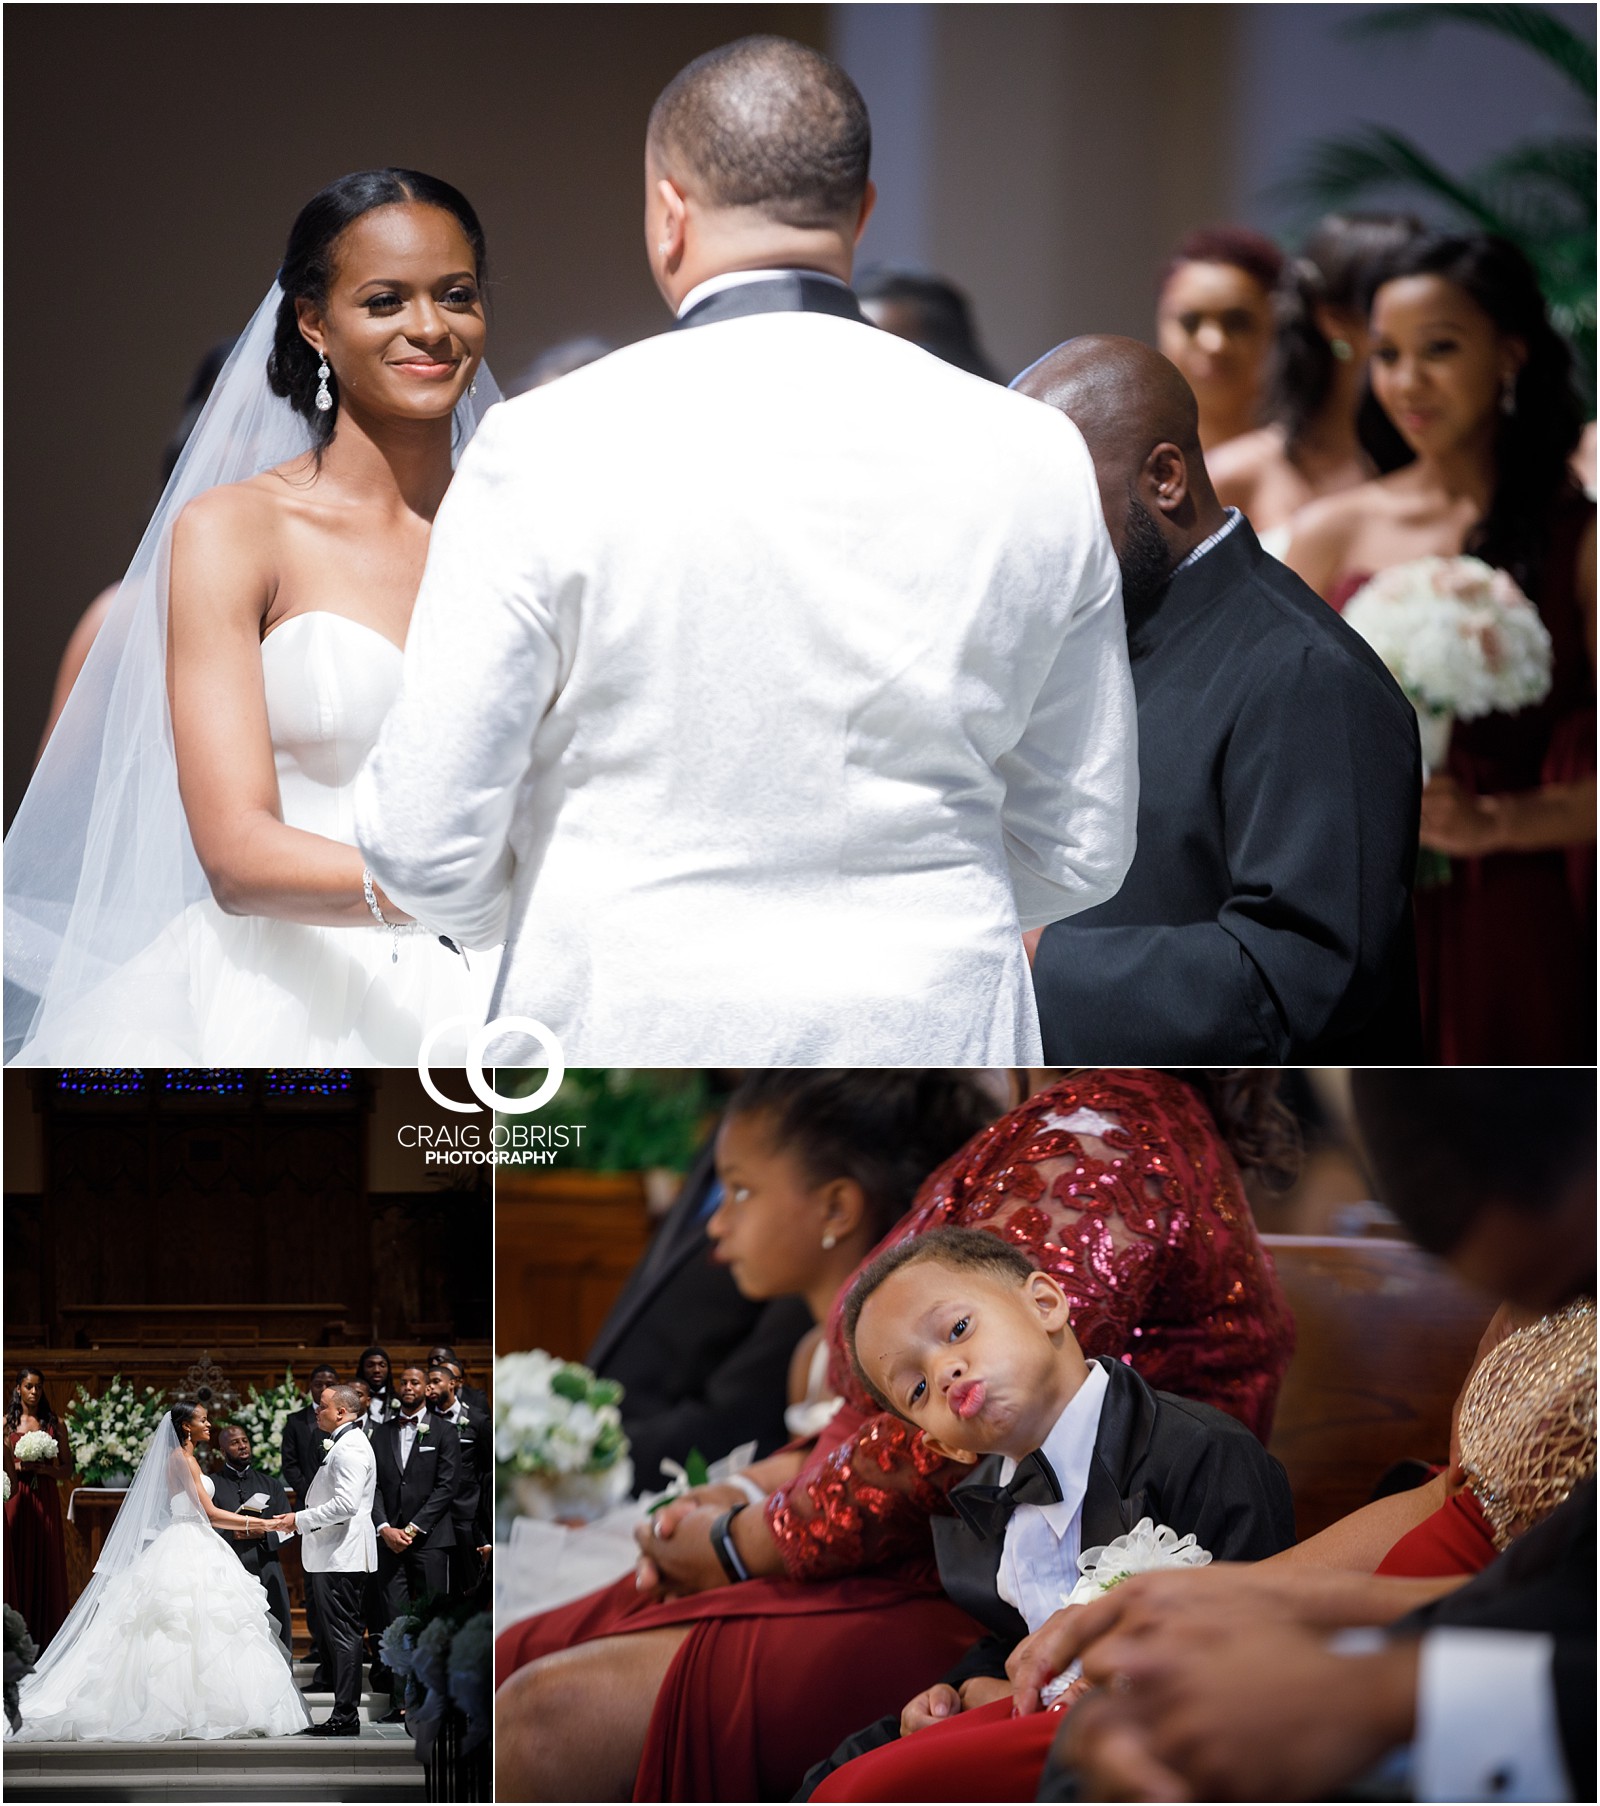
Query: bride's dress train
181, 1643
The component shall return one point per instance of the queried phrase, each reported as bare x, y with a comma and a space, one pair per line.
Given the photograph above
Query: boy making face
972, 1345
957, 1333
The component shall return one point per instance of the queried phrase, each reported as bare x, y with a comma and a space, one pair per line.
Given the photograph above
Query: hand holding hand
1190, 1704
282, 1525
932, 1706
676, 1556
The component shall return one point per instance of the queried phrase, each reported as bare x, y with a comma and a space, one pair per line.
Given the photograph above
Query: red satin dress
1143, 1220
1506, 948
36, 1548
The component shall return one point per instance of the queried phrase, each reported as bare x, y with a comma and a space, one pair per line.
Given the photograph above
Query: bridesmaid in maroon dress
1467, 366
1120, 1183
36, 1537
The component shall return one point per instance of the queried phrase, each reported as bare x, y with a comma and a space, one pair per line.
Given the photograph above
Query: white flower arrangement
1460, 638
5, 1482
111, 1433
1145, 1549
556, 1423
36, 1445
262, 1415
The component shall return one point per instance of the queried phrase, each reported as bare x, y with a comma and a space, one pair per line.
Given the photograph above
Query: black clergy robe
1267, 915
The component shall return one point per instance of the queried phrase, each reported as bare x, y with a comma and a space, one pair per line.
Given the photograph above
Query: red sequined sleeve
1119, 1185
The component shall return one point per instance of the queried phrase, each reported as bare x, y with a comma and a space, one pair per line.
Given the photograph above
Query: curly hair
45, 1413
1535, 440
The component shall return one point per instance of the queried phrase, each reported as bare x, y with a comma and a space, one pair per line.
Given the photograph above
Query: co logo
477, 1046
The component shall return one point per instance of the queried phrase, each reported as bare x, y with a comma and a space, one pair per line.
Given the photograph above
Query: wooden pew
1386, 1336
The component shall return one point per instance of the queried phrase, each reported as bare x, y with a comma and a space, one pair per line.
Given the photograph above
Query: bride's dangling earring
324, 395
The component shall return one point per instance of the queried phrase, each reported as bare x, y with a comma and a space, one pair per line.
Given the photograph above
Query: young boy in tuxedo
958, 1334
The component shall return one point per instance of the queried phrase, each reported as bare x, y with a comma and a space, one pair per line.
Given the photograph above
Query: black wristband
722, 1544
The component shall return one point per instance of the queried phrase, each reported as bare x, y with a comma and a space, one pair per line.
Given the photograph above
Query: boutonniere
422, 1428
327, 1443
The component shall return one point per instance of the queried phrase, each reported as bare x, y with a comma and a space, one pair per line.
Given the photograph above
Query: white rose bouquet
111, 1433
559, 1446
1460, 638
36, 1445
263, 1415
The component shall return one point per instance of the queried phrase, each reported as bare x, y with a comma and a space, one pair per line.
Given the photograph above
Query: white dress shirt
1486, 1718
1039, 1558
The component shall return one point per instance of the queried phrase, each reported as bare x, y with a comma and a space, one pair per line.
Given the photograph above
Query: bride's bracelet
396, 929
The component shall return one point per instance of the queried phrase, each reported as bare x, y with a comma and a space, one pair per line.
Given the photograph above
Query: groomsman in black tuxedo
236, 1480
419, 1458
443, 1355
471, 1511
300, 1447
701, 1366
1267, 915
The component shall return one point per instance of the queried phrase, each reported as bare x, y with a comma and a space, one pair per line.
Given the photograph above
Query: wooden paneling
564, 1244
233, 1369
1386, 1335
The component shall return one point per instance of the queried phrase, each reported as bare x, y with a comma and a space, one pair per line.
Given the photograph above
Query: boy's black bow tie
988, 1509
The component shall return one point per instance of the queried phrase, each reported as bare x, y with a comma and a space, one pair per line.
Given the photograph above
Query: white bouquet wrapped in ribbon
559, 1446
36, 1445
1460, 639
1146, 1549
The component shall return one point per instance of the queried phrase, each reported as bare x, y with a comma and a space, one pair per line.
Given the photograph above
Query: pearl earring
1508, 393
1341, 349
324, 396
830, 1240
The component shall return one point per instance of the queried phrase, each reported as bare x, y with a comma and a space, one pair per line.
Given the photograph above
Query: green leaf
697, 1468
1534, 27
1337, 171
570, 1383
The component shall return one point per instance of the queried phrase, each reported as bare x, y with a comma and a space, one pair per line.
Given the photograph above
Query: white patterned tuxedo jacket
767, 679
336, 1520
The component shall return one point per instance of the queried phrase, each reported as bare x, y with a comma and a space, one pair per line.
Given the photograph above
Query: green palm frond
1564, 164
1531, 26
1335, 172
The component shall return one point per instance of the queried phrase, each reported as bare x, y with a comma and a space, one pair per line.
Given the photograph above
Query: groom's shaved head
766, 123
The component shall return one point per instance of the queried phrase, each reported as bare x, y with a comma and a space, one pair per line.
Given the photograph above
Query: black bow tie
412, 1421
988, 1509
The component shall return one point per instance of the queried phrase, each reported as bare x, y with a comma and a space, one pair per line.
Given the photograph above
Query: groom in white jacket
339, 1550
768, 677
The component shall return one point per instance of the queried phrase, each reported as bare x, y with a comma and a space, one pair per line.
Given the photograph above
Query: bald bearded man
1267, 914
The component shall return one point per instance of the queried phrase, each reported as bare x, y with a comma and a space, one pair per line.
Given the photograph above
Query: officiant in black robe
1267, 914
238, 1480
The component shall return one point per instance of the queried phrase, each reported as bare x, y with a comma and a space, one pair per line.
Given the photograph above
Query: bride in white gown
182, 881
172, 1637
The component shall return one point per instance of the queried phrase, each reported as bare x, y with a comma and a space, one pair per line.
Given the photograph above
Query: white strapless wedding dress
224, 990
183, 1644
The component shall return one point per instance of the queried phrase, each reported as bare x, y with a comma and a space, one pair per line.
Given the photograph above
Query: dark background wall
1045, 156
158, 155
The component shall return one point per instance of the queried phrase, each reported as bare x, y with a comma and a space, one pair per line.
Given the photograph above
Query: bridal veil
99, 864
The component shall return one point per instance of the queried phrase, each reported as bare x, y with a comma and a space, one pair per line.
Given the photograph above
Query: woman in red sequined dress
1468, 367
1123, 1186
